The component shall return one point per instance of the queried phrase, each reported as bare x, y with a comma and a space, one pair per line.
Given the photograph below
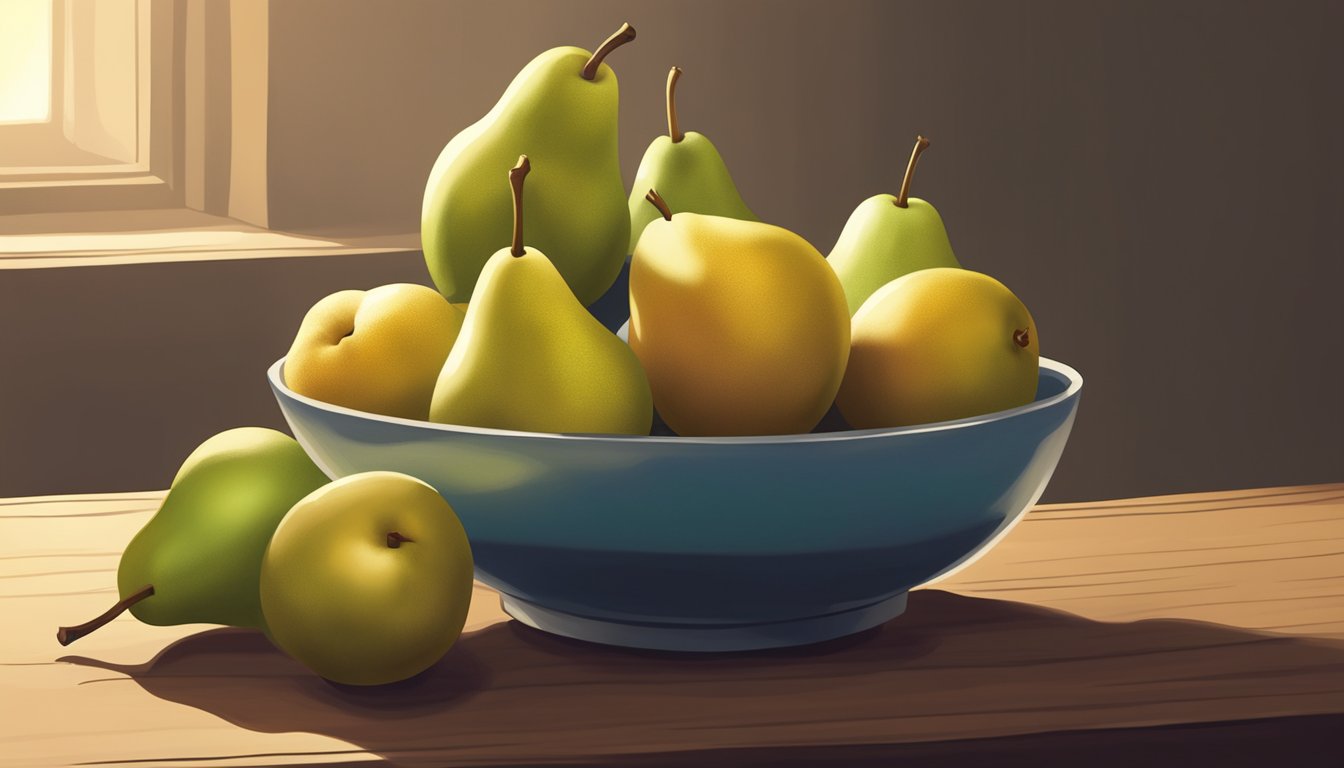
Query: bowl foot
705, 637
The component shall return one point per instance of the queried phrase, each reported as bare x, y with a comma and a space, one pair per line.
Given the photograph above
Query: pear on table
531, 358
561, 109
198, 559
889, 236
367, 580
741, 326
686, 168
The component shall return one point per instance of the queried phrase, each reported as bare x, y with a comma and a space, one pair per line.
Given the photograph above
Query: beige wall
1158, 183
110, 376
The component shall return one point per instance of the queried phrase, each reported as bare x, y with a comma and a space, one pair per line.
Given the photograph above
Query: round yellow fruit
378, 351
368, 579
936, 345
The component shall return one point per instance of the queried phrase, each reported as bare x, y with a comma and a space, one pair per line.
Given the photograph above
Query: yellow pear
935, 345
742, 327
378, 351
531, 358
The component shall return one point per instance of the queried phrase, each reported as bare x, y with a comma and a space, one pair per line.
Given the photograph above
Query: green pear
198, 559
529, 357
887, 237
561, 109
686, 168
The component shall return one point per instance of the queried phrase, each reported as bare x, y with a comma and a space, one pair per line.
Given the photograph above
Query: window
84, 104
26, 61
162, 105
71, 83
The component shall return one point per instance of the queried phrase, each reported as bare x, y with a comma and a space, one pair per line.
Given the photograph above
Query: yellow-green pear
889, 236
684, 167
561, 110
936, 345
367, 580
378, 351
741, 326
531, 358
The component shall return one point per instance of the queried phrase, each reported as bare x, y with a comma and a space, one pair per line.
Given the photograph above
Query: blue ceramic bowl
728, 543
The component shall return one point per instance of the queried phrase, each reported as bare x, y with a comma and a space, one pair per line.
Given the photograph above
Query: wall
1158, 182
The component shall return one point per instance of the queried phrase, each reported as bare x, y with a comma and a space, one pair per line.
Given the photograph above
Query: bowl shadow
508, 692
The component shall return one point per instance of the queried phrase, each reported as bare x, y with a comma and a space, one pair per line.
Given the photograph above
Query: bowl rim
1052, 367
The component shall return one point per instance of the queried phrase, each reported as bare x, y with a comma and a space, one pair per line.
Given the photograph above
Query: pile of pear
366, 580
737, 326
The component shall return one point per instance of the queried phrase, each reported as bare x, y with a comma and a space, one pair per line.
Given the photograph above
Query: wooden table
1204, 629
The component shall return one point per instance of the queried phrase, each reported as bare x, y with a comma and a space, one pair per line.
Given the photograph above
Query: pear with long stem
688, 169
888, 236
531, 358
561, 110
198, 559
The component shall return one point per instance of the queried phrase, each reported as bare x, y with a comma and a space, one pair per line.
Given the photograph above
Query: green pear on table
531, 358
367, 580
889, 236
561, 110
687, 169
198, 559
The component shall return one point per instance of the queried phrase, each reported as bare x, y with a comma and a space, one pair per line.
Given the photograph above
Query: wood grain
1220, 615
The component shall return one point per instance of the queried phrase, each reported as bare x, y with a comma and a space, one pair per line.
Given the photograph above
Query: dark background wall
1159, 182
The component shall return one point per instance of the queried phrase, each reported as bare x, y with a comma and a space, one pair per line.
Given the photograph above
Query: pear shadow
509, 694
243, 665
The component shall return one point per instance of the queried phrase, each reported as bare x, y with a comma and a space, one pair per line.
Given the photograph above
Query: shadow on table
509, 689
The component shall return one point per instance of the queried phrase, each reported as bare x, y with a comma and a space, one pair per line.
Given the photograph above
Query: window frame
147, 181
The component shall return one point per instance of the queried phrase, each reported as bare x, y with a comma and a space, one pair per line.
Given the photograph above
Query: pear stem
659, 203
68, 635
1022, 338
516, 175
673, 129
394, 540
902, 200
620, 37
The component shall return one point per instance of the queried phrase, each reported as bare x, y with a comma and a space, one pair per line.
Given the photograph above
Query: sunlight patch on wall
25, 61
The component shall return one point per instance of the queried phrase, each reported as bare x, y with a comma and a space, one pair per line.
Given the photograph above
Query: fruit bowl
713, 544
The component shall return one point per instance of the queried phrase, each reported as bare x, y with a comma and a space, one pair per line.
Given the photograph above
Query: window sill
47, 240
72, 174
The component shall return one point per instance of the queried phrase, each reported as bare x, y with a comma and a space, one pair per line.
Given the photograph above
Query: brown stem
394, 539
516, 175
68, 635
622, 36
659, 203
1022, 338
902, 200
673, 129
